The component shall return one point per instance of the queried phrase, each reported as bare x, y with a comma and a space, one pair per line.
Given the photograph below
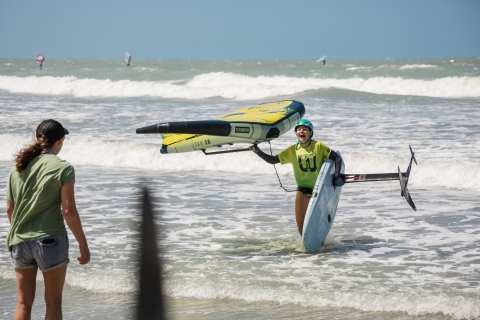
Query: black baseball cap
52, 129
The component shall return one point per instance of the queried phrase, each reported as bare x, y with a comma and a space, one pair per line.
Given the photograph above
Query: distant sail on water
128, 58
40, 60
323, 59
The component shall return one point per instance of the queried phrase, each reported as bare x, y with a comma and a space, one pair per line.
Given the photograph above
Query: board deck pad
322, 207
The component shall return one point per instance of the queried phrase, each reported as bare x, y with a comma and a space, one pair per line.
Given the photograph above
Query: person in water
307, 157
40, 60
40, 195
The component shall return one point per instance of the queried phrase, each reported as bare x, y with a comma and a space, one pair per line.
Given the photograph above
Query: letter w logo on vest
307, 163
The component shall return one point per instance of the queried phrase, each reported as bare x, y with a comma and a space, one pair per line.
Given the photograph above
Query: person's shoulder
64, 163
13, 172
55, 160
287, 152
320, 145
291, 149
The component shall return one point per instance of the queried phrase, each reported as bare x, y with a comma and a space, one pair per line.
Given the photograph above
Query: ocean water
227, 231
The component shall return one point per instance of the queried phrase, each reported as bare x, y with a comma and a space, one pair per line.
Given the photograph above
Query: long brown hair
48, 132
23, 158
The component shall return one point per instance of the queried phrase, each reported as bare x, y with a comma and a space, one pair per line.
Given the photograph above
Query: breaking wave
239, 87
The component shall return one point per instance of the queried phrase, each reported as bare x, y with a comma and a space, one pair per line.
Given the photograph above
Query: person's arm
10, 208
72, 218
337, 176
338, 162
266, 157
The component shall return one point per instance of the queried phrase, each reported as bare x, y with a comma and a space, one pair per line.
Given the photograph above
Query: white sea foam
238, 87
418, 66
146, 156
357, 68
412, 303
108, 281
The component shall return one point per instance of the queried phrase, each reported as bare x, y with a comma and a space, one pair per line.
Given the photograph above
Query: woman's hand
338, 179
84, 255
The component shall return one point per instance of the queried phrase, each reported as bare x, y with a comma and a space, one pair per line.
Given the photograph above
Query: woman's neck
57, 146
46, 151
306, 144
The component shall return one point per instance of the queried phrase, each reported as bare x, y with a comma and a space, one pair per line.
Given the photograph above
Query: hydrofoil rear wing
401, 176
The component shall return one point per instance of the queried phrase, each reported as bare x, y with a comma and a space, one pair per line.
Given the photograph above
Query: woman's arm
10, 208
266, 157
338, 162
337, 178
72, 218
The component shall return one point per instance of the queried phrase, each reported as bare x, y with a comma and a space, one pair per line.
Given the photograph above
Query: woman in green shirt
307, 157
40, 197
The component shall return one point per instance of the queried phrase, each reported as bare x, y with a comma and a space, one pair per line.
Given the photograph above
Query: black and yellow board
252, 125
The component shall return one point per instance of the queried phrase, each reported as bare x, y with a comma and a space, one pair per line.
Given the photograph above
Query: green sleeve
287, 155
326, 151
9, 189
68, 175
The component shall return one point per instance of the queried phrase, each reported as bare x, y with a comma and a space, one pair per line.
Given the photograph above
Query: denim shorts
47, 253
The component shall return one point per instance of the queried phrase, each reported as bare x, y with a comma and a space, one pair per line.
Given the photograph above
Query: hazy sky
240, 29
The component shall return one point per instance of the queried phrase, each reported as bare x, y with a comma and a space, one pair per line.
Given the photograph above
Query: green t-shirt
35, 195
306, 162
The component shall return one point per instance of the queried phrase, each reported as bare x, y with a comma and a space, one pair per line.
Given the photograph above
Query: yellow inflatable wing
253, 125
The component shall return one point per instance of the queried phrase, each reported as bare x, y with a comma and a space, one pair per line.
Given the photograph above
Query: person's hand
338, 179
254, 148
84, 255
